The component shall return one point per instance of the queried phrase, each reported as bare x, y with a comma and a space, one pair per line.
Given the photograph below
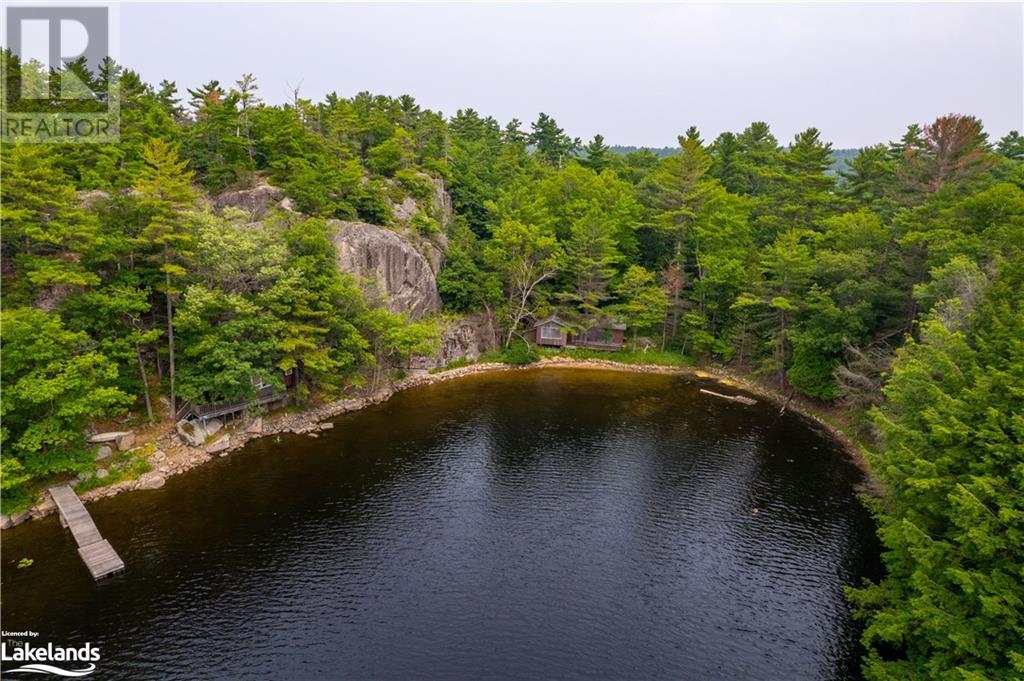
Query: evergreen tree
643, 302
1011, 146
165, 194
869, 175
590, 263
596, 154
551, 142
952, 519
45, 231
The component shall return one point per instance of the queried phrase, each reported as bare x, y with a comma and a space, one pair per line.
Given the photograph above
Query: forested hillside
894, 289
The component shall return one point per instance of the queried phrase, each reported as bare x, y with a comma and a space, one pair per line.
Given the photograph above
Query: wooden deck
265, 395
97, 553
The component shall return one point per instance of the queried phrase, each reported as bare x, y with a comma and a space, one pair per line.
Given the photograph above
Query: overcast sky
637, 73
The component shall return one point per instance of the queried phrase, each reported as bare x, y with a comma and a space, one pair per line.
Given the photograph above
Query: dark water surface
533, 524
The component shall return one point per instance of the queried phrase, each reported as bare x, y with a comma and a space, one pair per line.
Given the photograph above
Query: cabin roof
612, 324
553, 319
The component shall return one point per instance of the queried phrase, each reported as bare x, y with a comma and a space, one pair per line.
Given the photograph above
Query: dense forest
893, 288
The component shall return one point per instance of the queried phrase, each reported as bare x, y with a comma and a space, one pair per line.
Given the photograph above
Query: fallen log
732, 398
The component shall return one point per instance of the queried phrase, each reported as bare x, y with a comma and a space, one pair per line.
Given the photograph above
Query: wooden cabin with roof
605, 334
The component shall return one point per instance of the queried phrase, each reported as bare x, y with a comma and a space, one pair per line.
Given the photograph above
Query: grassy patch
454, 364
122, 466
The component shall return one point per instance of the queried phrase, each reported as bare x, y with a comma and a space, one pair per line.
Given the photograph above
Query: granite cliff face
395, 272
396, 269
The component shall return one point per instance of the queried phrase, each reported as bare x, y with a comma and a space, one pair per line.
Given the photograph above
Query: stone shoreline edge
314, 420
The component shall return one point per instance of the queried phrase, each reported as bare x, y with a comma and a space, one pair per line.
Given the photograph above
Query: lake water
533, 524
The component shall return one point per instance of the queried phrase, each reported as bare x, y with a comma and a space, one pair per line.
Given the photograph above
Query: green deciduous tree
525, 256
54, 382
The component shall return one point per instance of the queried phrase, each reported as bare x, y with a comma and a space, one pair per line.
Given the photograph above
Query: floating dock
96, 552
732, 398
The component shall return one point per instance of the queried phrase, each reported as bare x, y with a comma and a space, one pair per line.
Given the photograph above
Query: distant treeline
840, 157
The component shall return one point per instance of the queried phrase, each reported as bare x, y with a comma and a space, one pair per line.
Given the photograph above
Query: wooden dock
97, 553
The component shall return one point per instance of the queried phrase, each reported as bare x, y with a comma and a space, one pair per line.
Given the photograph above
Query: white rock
256, 426
220, 445
151, 480
108, 437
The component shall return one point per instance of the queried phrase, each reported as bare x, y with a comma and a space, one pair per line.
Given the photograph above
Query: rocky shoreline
172, 458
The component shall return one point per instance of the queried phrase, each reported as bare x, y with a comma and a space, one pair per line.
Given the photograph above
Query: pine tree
45, 231
551, 142
869, 175
643, 302
597, 154
165, 195
952, 149
590, 263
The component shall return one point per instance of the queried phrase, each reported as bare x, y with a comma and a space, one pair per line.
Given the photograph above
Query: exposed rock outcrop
465, 338
257, 202
392, 272
442, 203
438, 205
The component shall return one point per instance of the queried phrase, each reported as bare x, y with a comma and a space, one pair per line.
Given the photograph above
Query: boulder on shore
9, 521
221, 445
112, 436
151, 480
196, 433
126, 441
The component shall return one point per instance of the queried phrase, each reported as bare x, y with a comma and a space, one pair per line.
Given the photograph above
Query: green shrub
519, 353
417, 184
454, 364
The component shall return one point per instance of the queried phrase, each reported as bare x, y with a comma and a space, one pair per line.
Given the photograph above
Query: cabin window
598, 335
551, 332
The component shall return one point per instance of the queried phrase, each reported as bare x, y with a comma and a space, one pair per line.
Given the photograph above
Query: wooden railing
266, 395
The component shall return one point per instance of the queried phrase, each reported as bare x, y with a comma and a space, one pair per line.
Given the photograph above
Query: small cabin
551, 332
605, 334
